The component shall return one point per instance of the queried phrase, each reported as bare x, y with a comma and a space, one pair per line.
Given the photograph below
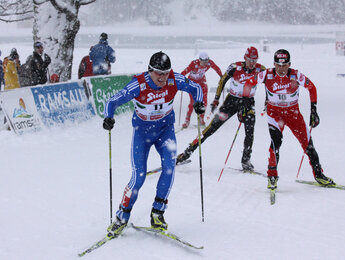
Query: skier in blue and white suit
153, 120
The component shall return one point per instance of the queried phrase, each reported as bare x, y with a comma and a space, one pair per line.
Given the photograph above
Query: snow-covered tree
56, 24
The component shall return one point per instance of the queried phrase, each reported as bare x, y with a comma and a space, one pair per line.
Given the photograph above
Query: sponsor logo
269, 76
170, 82
21, 112
24, 119
244, 77
293, 77
143, 86
152, 96
277, 86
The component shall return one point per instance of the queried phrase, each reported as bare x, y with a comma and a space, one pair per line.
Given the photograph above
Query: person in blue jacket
153, 120
101, 56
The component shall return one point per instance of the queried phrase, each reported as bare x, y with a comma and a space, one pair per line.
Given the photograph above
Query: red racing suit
197, 74
282, 110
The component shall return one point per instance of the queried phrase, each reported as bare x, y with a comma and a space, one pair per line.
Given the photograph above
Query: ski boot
247, 166
324, 180
116, 228
186, 123
185, 155
157, 220
272, 182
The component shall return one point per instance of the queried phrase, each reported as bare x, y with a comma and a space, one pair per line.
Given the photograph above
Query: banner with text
104, 88
20, 110
62, 103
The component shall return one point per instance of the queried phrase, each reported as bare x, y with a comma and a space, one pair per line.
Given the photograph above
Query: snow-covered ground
54, 188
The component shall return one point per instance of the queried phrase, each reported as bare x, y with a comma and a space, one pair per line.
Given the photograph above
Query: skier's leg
139, 154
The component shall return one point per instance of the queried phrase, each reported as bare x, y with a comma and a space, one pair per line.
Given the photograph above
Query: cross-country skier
197, 69
282, 86
238, 73
153, 120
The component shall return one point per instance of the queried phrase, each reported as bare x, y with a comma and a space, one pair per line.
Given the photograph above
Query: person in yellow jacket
11, 67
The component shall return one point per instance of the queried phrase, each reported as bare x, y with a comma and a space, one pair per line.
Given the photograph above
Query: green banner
104, 88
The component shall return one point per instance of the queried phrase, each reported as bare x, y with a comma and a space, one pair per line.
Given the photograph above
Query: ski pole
226, 160
110, 180
200, 161
299, 168
179, 117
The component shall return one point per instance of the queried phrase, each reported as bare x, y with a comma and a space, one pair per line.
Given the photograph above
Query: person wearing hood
101, 56
11, 67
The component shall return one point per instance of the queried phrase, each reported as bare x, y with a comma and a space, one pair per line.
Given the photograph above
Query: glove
199, 108
47, 59
243, 109
214, 105
314, 117
108, 123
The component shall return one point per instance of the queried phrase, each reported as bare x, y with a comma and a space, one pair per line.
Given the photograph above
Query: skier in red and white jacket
237, 73
197, 69
282, 86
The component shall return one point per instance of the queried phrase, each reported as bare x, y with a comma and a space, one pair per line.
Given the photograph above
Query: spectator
11, 67
85, 67
101, 56
38, 67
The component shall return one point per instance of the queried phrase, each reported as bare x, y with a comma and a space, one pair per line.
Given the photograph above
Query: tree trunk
57, 31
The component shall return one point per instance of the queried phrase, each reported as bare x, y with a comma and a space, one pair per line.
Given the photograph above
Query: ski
337, 186
95, 246
273, 196
160, 168
167, 234
249, 171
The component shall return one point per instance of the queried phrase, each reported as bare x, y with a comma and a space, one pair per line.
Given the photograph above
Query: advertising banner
62, 103
20, 110
104, 88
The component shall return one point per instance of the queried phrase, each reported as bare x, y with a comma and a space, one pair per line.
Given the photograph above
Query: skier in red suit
282, 86
197, 69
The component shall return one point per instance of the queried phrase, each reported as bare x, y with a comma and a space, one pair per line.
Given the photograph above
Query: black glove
243, 109
214, 105
47, 59
199, 108
108, 123
314, 117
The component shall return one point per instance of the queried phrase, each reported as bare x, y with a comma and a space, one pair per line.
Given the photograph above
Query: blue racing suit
153, 124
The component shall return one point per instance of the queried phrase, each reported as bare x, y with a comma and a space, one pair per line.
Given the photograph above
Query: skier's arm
189, 86
227, 75
216, 68
129, 92
308, 84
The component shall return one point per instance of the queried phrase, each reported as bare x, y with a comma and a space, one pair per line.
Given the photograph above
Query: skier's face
159, 78
203, 62
282, 69
250, 63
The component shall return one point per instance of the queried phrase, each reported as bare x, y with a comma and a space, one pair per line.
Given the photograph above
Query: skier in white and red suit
153, 120
282, 92
197, 69
237, 72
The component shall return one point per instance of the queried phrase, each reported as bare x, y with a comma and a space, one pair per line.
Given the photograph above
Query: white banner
20, 110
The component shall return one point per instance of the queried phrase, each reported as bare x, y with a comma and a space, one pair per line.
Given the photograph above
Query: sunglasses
160, 72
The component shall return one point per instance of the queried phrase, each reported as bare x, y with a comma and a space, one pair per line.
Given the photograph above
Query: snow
54, 189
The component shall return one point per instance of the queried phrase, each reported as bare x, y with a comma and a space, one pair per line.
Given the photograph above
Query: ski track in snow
54, 189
